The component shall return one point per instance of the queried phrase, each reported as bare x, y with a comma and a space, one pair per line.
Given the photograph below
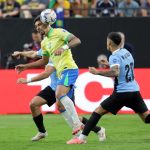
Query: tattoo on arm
112, 72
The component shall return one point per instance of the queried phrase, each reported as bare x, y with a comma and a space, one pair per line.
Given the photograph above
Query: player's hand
93, 70
22, 81
20, 68
58, 52
16, 54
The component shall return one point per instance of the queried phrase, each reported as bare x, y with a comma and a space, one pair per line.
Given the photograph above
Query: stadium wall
92, 32
90, 91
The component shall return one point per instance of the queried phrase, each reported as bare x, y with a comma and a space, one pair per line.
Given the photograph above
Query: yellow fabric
66, 4
2, 1
56, 39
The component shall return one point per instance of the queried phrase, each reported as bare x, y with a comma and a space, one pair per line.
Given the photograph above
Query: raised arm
73, 41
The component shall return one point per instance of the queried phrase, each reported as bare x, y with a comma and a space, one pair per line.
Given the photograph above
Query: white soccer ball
48, 16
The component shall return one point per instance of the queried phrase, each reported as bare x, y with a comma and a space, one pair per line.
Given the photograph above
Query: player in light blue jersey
47, 96
126, 90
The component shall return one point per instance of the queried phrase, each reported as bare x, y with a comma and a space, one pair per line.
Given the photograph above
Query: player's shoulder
60, 30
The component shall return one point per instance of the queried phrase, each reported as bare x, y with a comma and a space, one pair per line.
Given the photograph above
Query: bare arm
36, 64
13, 13
43, 75
72, 42
112, 72
29, 54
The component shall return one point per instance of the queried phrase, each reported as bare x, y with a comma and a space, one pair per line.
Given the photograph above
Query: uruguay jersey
55, 39
53, 76
125, 82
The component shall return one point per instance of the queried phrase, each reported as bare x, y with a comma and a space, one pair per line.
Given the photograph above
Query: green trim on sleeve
66, 39
45, 54
50, 32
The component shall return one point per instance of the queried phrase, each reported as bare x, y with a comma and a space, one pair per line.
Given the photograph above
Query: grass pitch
124, 132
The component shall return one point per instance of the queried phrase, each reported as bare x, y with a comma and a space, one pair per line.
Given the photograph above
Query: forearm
48, 71
108, 73
13, 13
40, 77
29, 54
36, 64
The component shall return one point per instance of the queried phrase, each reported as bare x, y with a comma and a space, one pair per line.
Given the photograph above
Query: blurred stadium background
91, 21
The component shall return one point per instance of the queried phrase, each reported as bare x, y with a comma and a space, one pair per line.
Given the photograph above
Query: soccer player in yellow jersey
56, 46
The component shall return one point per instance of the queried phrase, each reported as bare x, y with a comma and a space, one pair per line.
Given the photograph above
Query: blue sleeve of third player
39, 52
114, 60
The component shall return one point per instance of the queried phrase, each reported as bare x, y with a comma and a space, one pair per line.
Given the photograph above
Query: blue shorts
68, 78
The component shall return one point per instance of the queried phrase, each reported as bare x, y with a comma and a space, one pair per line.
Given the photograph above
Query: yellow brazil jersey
56, 38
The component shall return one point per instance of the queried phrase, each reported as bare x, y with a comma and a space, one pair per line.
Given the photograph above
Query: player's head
122, 39
41, 27
113, 41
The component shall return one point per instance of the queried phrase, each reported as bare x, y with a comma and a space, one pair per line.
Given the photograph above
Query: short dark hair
37, 18
115, 37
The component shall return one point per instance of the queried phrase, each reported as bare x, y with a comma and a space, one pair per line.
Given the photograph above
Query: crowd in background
75, 8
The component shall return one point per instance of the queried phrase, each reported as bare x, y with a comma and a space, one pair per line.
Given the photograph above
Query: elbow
116, 73
78, 41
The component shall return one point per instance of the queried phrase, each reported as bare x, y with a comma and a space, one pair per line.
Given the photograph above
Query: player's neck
115, 48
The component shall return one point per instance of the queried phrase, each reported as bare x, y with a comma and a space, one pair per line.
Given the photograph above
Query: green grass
124, 132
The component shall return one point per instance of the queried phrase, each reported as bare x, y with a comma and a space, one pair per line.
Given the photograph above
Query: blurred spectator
105, 8
62, 9
63, 6
35, 44
145, 11
9, 9
32, 8
79, 8
102, 61
128, 8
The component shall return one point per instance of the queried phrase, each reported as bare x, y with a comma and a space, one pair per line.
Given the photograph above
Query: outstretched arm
29, 54
112, 72
43, 75
36, 64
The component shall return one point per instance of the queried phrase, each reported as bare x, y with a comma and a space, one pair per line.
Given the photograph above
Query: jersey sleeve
64, 34
114, 60
39, 52
44, 50
50, 64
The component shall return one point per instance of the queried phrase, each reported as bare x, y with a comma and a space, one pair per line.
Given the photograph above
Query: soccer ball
48, 16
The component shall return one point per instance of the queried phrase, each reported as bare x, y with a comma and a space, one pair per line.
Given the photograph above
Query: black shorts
132, 100
49, 95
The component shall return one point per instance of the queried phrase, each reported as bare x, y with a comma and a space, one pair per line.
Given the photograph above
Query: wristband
29, 80
65, 47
